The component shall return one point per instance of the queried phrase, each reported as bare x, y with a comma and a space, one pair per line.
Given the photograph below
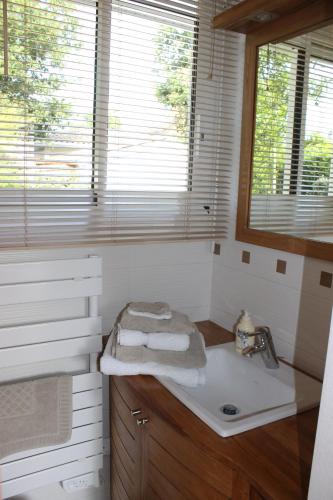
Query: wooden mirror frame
314, 15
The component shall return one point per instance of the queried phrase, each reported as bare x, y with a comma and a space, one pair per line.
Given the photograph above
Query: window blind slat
112, 127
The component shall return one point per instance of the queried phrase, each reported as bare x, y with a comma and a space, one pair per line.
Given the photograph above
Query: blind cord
5, 37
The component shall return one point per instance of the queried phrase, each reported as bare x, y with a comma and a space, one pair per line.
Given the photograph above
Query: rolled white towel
190, 377
158, 341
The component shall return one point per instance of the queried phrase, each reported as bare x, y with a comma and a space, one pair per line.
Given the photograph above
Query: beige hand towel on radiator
35, 413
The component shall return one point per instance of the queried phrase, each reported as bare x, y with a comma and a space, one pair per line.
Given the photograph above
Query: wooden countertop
276, 457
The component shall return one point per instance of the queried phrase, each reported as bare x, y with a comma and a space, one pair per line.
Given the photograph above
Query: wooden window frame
315, 15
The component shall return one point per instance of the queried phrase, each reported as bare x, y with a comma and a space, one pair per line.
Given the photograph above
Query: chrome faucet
264, 345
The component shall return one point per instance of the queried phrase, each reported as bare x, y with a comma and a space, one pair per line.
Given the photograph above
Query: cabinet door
158, 461
126, 442
177, 469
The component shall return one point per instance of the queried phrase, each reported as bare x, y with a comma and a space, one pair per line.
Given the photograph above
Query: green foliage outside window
274, 121
174, 53
30, 109
269, 155
37, 49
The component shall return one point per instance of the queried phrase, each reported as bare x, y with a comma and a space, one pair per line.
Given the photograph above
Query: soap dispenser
243, 328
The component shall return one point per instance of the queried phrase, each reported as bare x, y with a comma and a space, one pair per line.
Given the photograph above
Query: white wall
294, 305
179, 273
321, 486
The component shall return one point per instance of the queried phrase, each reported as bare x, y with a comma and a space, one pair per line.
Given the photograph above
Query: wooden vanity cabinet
175, 468
154, 460
255, 495
175, 456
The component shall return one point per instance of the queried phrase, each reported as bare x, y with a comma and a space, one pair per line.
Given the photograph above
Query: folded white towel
190, 377
161, 341
110, 365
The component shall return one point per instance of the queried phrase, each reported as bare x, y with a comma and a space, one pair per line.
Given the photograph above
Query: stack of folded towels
150, 339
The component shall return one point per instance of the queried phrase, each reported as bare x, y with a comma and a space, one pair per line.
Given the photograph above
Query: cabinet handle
142, 421
136, 412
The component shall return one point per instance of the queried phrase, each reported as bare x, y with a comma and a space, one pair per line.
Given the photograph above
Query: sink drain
229, 409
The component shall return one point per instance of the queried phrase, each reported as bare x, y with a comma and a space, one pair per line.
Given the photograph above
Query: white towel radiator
66, 344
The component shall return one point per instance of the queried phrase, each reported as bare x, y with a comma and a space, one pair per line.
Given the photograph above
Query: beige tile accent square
281, 266
246, 257
217, 249
326, 279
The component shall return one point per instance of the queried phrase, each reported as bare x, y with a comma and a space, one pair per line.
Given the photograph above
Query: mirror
286, 182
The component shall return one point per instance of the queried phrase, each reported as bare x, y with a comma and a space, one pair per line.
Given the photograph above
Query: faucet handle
264, 345
256, 334
260, 330
248, 351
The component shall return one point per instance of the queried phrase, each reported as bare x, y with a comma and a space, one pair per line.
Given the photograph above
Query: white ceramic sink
261, 395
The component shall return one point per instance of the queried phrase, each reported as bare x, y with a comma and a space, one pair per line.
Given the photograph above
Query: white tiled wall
294, 305
179, 273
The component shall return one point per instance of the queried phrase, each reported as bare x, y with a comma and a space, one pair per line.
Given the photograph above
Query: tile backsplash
178, 273
294, 305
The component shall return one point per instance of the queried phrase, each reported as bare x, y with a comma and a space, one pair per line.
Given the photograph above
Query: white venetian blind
116, 122
292, 184
46, 123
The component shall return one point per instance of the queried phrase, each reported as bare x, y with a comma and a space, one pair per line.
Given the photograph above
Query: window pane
276, 88
292, 183
318, 144
150, 101
46, 124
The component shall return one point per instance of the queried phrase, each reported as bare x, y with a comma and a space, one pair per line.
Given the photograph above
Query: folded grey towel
179, 323
34, 414
158, 310
194, 357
